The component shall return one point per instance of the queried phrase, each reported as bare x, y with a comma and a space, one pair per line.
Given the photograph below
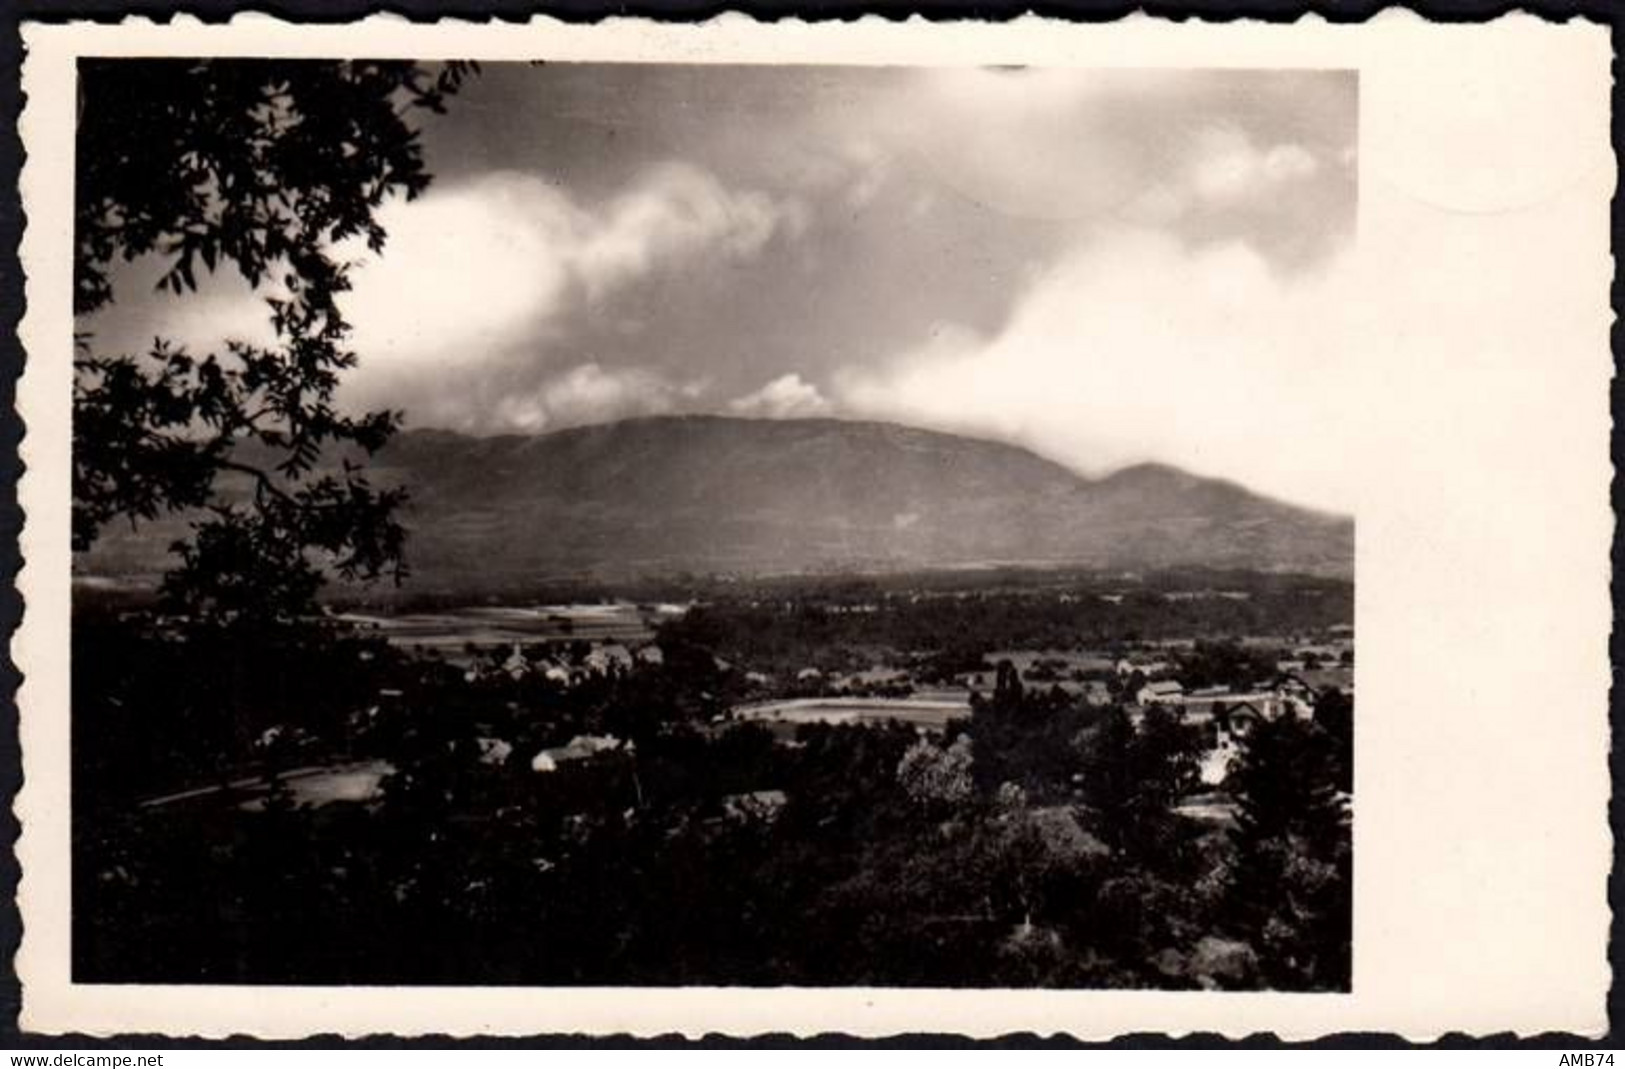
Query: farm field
933, 712
450, 631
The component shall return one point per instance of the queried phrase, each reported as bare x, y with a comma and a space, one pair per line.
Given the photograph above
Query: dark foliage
267, 167
1225, 664
778, 630
1036, 843
1293, 868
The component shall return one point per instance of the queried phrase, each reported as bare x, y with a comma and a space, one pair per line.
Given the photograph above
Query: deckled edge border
12, 432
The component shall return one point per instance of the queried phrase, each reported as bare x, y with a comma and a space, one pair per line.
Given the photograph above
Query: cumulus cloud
787, 396
1231, 167
1328, 385
1068, 144
1226, 170
465, 320
1140, 347
481, 266
546, 279
1136, 348
476, 272
677, 212
587, 393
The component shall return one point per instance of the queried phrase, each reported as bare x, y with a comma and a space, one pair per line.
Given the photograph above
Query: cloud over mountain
786, 396
603, 241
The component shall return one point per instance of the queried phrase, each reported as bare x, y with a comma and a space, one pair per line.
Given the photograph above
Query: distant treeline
762, 631
844, 588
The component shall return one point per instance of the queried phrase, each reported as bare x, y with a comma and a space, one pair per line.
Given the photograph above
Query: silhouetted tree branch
271, 167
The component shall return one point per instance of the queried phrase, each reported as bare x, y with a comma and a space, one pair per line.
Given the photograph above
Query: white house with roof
577, 749
1161, 692
1227, 717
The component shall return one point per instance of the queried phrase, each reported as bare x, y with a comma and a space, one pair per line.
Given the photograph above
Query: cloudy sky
1107, 266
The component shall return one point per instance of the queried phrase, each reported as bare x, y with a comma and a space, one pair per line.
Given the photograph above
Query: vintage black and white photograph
804, 529
814, 528
646, 524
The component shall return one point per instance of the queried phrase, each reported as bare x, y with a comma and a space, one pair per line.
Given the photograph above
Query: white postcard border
1480, 917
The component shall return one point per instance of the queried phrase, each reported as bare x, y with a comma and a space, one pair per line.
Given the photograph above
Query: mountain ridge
722, 495
1135, 470
728, 494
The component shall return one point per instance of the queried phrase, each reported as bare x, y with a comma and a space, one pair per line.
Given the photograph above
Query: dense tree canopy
268, 167
1040, 840
1294, 865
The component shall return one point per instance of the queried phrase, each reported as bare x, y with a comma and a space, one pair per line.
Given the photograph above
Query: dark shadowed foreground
1106, 807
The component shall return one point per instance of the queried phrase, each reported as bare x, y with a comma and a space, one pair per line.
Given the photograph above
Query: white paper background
1477, 331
